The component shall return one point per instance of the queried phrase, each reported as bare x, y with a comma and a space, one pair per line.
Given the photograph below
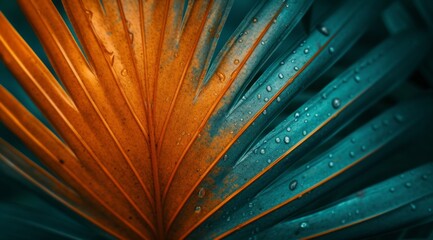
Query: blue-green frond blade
390, 204
297, 187
339, 102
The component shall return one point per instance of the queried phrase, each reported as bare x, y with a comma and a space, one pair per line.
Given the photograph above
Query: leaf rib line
243, 129
182, 79
209, 113
77, 179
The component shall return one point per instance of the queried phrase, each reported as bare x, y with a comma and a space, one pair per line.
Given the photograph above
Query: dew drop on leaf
286, 139
268, 88
197, 209
124, 72
280, 75
304, 225
293, 184
336, 103
357, 78
412, 207
221, 76
323, 30
201, 193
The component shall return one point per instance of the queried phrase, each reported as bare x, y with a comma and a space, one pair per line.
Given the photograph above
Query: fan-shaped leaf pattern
161, 133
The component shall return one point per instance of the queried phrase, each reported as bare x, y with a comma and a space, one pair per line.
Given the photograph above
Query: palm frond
159, 130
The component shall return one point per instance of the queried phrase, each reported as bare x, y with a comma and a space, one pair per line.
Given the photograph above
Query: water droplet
89, 13
304, 225
254, 20
266, 99
289, 129
236, 61
282, 63
357, 78
296, 68
268, 88
331, 164
353, 140
304, 133
352, 154
412, 207
336, 103
306, 50
330, 155
262, 42
286, 139
269, 160
259, 96
250, 205
343, 221
357, 211
124, 72
278, 99
277, 140
221, 76
424, 177
408, 184
280, 75
293, 184
201, 193
264, 112
363, 148
225, 157
262, 151
324, 96
197, 209
297, 115
331, 50
228, 219
323, 30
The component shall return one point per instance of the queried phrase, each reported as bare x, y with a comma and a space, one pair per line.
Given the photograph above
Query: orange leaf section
99, 150
194, 108
59, 158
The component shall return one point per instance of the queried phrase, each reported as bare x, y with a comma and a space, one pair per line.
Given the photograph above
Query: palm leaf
156, 129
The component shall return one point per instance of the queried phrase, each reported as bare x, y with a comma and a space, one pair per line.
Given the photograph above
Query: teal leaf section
393, 203
323, 115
